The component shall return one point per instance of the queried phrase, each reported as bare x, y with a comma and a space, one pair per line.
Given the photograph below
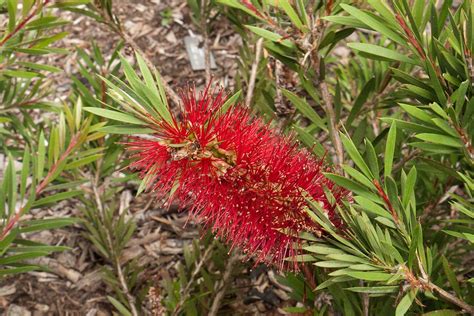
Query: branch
448, 296
333, 131
225, 282
312, 50
426, 283
253, 73
411, 155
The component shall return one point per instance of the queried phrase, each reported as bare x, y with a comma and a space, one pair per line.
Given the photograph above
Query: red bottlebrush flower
236, 175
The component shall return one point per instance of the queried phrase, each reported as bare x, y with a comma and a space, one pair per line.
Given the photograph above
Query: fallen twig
253, 73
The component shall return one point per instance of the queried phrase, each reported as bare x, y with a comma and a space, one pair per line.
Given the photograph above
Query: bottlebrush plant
237, 176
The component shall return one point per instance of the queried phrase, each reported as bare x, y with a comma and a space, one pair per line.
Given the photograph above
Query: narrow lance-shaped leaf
361, 99
390, 150
114, 115
356, 156
374, 23
11, 183
405, 303
161, 107
304, 108
41, 157
381, 53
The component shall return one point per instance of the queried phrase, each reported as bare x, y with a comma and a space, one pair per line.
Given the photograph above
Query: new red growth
237, 176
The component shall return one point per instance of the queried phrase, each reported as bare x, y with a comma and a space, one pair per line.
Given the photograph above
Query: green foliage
204, 260
35, 174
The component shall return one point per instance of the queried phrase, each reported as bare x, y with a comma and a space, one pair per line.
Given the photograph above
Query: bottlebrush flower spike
236, 175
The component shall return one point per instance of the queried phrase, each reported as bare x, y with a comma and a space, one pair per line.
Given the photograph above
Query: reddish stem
55, 167
411, 37
12, 221
23, 23
387, 201
329, 7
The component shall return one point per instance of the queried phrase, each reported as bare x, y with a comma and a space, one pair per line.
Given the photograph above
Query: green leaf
269, 35
361, 99
369, 276
369, 206
310, 141
295, 310
409, 126
23, 269
442, 124
442, 312
237, 4
372, 159
405, 303
356, 156
41, 157
119, 306
346, 20
230, 101
40, 67
323, 250
125, 129
286, 6
11, 6
358, 176
390, 150
25, 172
374, 23
46, 224
381, 53
409, 187
302, 258
158, 96
374, 289
304, 108
434, 148
83, 161
352, 186
114, 115
57, 197
440, 139
333, 264
461, 95
11, 184
416, 112
21, 74
20, 257
451, 276
70, 3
